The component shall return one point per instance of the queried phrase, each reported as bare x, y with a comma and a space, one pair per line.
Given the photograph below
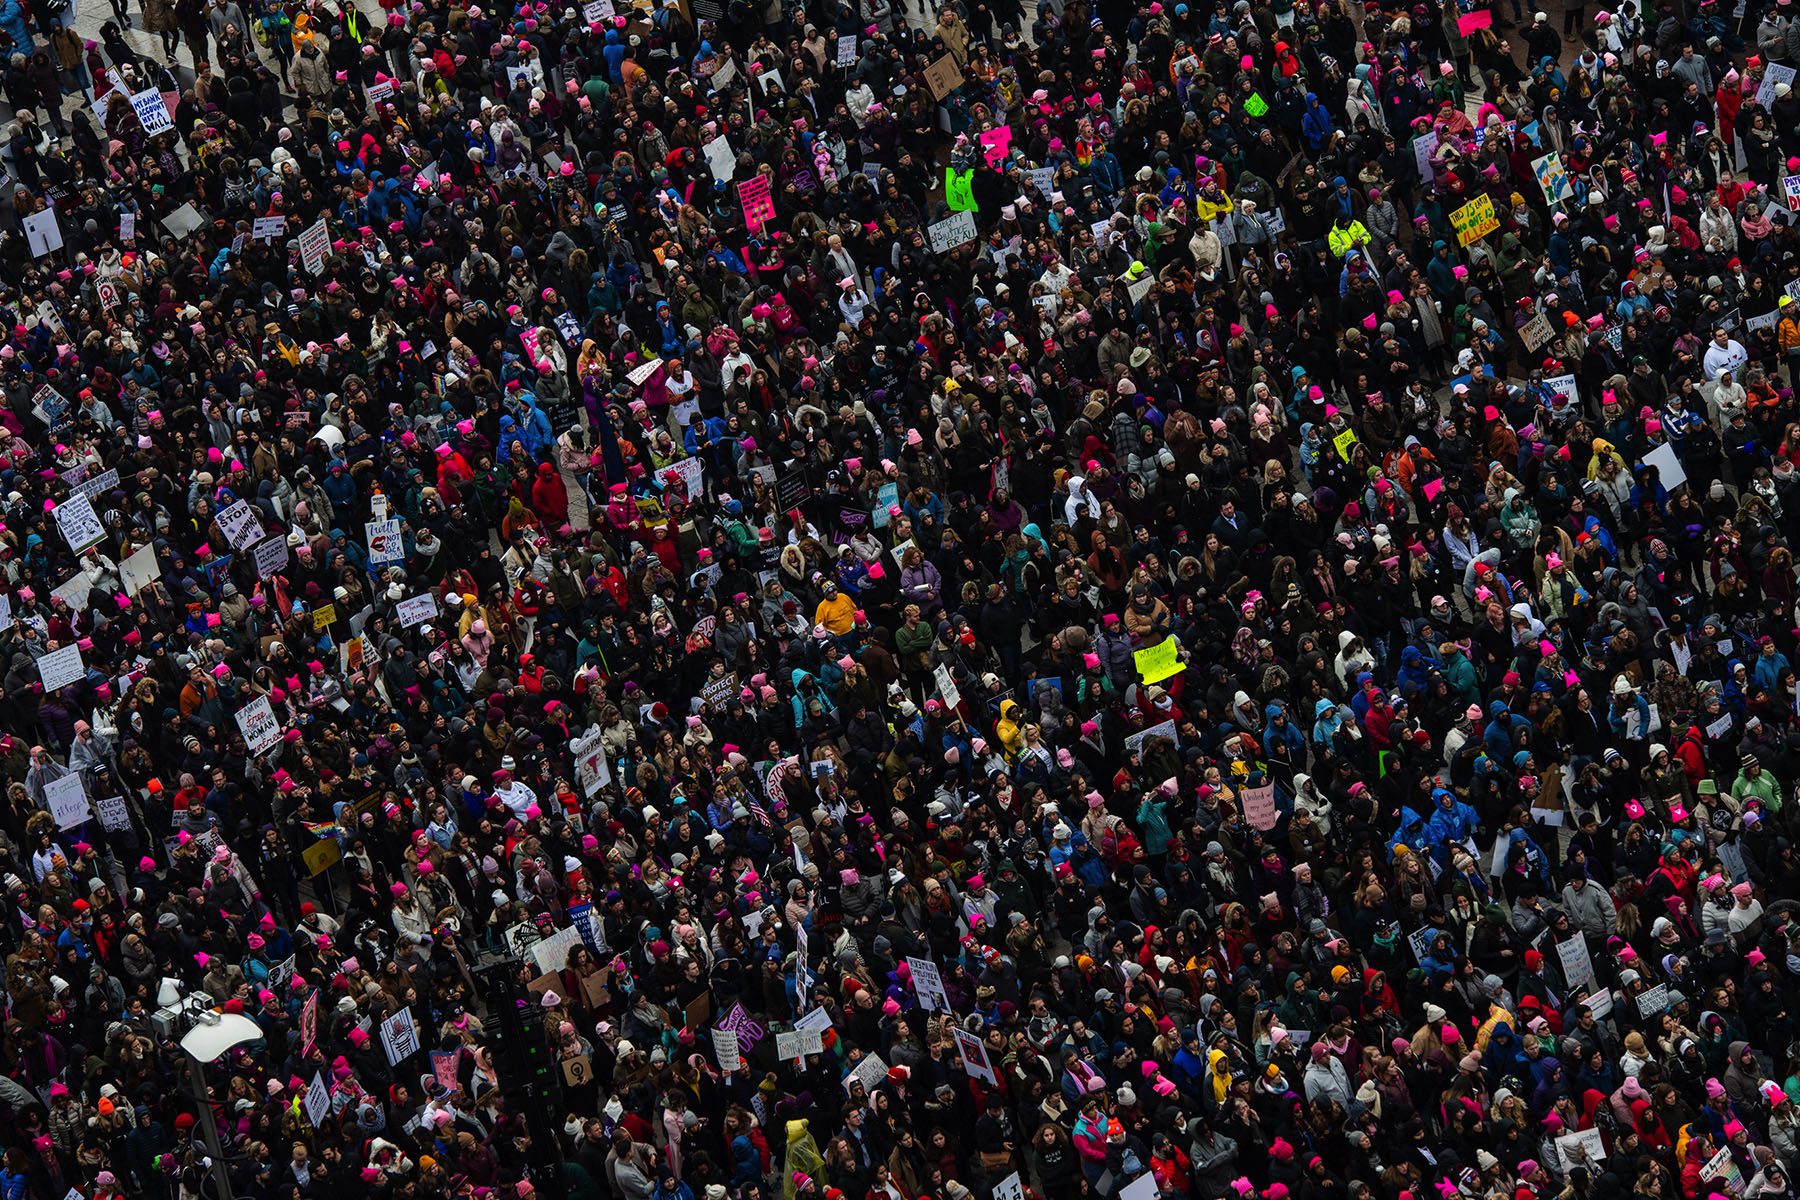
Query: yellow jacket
1787, 330
1349, 237
837, 614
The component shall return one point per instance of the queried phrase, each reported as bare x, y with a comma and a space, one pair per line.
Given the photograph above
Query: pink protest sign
759, 208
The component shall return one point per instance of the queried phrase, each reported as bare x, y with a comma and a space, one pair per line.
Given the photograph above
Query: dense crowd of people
1140, 599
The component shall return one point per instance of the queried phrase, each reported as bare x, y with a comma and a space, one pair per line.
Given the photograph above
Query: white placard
816, 1019
928, 985
954, 230
1010, 1188
1564, 385
975, 1057
151, 112
384, 541
1577, 963
552, 953
690, 471
271, 556
720, 159
105, 481
1535, 332
42, 232
870, 1071
638, 374
1583, 1148
240, 524
73, 591
1424, 148
1141, 1188
61, 667
318, 1101
846, 50
256, 721
416, 610
66, 798
127, 224
267, 229
79, 524
1668, 467
1773, 74
315, 243
1165, 729
183, 221
592, 771
798, 1043
725, 1049
400, 1037
947, 689
114, 814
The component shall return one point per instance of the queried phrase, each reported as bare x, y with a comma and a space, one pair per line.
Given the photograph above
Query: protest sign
151, 112
114, 814
416, 610
1535, 332
315, 243
959, 189
240, 524
66, 798
79, 524
726, 1050
943, 77
1669, 471
928, 984
1475, 220
758, 206
61, 667
748, 1031
1577, 963
318, 1101
1259, 807
139, 569
257, 722
1136, 741
1160, 661
720, 159
953, 231
43, 235
1552, 177
271, 555
1773, 74
400, 1037
975, 1057
592, 771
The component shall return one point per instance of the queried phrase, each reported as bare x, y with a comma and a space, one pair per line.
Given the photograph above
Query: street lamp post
213, 1036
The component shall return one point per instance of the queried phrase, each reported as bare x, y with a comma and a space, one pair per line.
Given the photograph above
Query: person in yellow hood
803, 1157
1220, 1066
1007, 731
1603, 450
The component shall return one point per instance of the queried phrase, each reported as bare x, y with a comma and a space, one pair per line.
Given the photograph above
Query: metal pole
209, 1125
